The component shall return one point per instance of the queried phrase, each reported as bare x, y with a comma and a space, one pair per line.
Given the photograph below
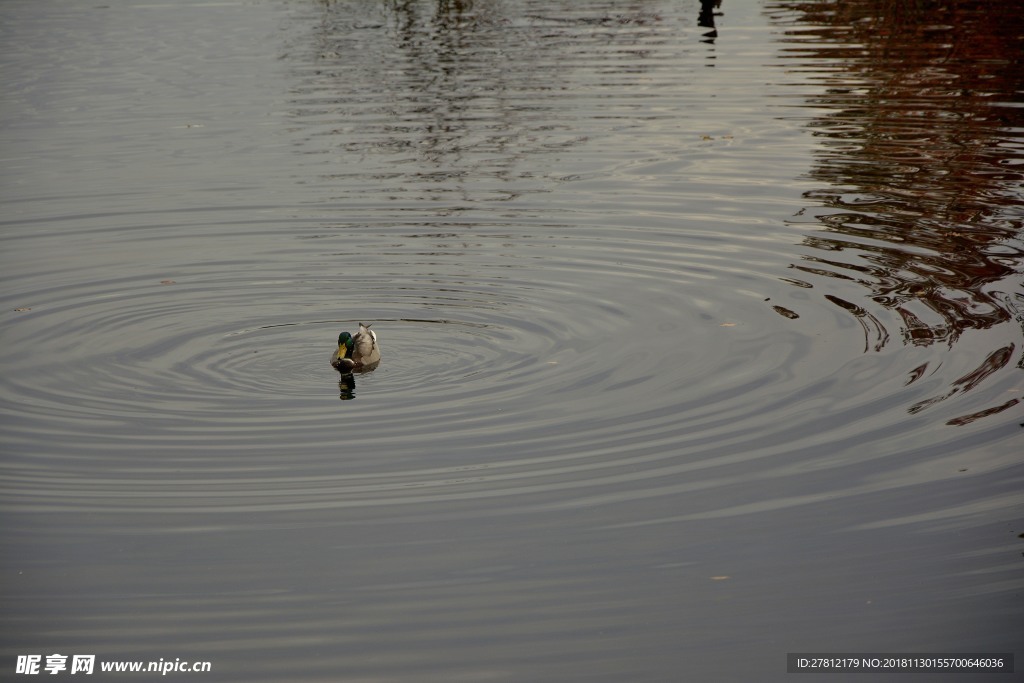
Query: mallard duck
356, 353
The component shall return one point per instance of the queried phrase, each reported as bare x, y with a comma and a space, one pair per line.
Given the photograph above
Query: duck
358, 353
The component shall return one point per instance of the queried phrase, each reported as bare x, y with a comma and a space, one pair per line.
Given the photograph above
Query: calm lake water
701, 330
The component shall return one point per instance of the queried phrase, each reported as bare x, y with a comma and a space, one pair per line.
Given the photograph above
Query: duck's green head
345, 345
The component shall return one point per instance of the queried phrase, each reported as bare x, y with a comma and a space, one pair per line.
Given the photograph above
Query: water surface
701, 332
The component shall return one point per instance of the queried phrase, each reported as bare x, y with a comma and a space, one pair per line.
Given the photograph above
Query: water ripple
561, 322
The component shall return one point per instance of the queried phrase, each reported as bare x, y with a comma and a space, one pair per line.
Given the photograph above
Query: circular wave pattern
218, 371
583, 294
558, 373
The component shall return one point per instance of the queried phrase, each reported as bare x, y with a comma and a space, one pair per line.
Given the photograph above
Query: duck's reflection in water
347, 381
347, 387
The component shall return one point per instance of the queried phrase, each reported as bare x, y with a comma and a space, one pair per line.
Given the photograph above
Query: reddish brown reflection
921, 168
922, 154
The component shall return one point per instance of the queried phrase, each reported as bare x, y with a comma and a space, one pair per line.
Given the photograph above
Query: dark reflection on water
347, 387
708, 9
921, 165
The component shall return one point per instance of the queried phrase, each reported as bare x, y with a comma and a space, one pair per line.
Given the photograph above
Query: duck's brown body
357, 353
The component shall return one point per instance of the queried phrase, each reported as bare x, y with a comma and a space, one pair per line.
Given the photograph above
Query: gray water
701, 331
